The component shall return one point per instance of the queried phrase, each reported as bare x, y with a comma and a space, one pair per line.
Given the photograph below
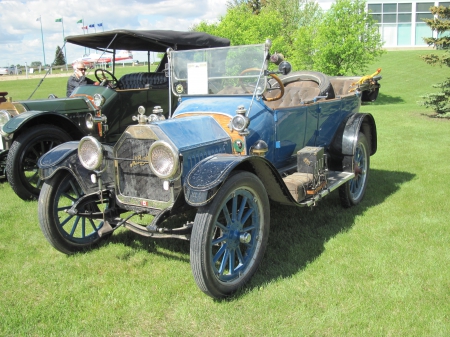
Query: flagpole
42, 37
64, 40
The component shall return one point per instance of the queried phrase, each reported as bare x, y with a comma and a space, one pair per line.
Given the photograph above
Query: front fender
19, 121
65, 157
205, 179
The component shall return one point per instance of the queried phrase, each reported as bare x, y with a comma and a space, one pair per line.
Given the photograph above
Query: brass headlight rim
99, 151
175, 156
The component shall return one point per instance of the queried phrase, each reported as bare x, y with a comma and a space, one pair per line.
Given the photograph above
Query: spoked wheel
352, 192
68, 233
25, 151
230, 235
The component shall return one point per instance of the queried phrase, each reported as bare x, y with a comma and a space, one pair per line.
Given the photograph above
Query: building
400, 22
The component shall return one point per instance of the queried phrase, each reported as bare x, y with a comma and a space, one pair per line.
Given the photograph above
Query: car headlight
90, 152
239, 123
99, 100
4, 117
163, 159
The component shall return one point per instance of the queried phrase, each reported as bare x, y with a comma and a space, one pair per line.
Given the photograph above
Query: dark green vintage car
31, 128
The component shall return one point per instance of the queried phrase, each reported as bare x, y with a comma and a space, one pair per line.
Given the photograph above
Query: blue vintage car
244, 132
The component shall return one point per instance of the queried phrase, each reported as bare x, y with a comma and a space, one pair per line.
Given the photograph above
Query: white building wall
400, 21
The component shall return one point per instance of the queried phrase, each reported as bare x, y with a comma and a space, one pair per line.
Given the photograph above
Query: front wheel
230, 235
67, 233
25, 151
352, 192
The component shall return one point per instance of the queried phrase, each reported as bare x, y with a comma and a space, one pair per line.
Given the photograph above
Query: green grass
378, 269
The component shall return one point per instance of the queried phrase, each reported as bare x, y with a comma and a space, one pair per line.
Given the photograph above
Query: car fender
65, 157
17, 123
345, 139
205, 179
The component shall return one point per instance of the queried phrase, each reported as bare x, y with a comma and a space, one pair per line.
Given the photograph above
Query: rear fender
205, 179
65, 157
345, 140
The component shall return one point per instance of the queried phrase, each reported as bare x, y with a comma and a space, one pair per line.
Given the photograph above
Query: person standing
78, 78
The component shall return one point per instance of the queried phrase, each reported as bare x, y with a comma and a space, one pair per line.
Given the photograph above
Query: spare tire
325, 88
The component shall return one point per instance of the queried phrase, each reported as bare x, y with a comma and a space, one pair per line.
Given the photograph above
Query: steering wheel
276, 98
244, 86
275, 77
111, 82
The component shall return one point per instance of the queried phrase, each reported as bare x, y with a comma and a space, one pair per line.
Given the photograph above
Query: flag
80, 21
92, 26
84, 27
100, 24
38, 19
58, 20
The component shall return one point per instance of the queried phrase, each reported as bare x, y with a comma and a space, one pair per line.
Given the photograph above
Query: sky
20, 28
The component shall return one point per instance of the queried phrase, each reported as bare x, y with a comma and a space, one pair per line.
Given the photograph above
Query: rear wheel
25, 151
230, 235
68, 233
352, 192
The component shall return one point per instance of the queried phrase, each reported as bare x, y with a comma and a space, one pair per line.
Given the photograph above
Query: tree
277, 20
343, 40
59, 57
440, 24
36, 64
347, 39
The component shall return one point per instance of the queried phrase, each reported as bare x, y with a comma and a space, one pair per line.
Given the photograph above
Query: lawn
378, 269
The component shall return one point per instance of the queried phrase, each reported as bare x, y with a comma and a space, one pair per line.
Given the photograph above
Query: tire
352, 192
21, 164
67, 233
218, 236
325, 88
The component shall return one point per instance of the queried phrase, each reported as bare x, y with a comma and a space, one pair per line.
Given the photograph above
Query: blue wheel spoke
222, 227
226, 213
59, 209
93, 225
83, 227
242, 208
247, 215
68, 196
219, 240
61, 224
239, 255
234, 208
74, 227
231, 257
75, 189
224, 262
219, 253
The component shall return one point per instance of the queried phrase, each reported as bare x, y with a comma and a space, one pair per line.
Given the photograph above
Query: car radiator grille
135, 178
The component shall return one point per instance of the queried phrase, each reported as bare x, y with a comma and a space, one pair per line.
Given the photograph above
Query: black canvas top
147, 40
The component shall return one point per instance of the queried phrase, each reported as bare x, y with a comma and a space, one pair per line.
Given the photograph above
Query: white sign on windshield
197, 78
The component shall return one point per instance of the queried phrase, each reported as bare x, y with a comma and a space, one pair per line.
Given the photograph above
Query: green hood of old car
61, 107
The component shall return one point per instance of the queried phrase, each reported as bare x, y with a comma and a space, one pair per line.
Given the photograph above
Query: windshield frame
233, 70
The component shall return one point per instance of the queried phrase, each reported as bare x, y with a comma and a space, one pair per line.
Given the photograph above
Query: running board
334, 180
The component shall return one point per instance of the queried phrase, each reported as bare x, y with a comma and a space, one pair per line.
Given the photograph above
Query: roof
147, 40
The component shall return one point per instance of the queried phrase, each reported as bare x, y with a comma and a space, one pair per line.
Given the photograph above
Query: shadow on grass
297, 235
384, 99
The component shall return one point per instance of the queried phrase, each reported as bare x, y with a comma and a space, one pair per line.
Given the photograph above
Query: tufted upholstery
294, 95
143, 80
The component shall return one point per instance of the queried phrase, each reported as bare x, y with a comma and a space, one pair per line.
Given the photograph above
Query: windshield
234, 70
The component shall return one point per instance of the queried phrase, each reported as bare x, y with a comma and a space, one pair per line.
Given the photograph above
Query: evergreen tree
59, 57
440, 24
